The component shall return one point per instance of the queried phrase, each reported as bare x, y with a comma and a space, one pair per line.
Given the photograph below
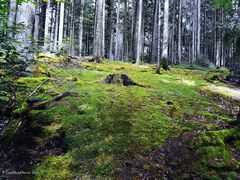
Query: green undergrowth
108, 123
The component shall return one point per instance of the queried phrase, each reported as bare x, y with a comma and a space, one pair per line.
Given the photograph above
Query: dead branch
39, 86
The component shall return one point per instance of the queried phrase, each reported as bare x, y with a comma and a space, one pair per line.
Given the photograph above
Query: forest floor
179, 124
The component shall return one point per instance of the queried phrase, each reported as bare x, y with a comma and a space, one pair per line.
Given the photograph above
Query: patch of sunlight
85, 107
144, 66
186, 82
98, 72
165, 81
231, 92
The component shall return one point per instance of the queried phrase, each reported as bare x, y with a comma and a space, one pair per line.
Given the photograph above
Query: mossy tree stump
121, 79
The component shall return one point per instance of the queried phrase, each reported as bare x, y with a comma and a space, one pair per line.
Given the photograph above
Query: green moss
104, 166
217, 157
31, 80
237, 144
9, 131
19, 111
229, 175
110, 122
216, 137
55, 167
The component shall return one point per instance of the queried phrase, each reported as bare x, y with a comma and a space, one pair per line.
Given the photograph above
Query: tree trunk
56, 27
46, 29
194, 27
199, 30
159, 37
117, 38
37, 21
99, 29
25, 16
138, 34
80, 36
155, 32
165, 30
61, 23
180, 33
12, 17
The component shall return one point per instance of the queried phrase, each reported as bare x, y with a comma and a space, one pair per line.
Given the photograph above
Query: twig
38, 87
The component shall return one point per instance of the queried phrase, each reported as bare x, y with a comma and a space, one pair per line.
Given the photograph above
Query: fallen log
49, 104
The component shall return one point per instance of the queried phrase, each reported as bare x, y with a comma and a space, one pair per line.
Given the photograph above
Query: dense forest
190, 31
119, 89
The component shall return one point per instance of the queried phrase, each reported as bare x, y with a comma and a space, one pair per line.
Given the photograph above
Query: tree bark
199, 30
165, 31
99, 29
80, 36
159, 37
117, 37
61, 24
138, 34
12, 17
25, 16
180, 33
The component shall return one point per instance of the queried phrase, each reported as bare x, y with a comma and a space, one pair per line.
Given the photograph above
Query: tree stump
96, 59
120, 79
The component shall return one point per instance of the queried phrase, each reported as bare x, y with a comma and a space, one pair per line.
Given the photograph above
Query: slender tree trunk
138, 32
110, 32
199, 30
61, 24
159, 37
165, 30
222, 38
56, 27
99, 30
133, 27
53, 24
218, 55
180, 33
215, 37
80, 36
25, 16
12, 17
117, 38
155, 32
46, 29
194, 27
125, 30
37, 21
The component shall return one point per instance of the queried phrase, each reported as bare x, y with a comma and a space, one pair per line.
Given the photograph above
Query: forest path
227, 91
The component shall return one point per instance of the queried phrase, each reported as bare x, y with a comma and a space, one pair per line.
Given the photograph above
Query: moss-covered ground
176, 126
